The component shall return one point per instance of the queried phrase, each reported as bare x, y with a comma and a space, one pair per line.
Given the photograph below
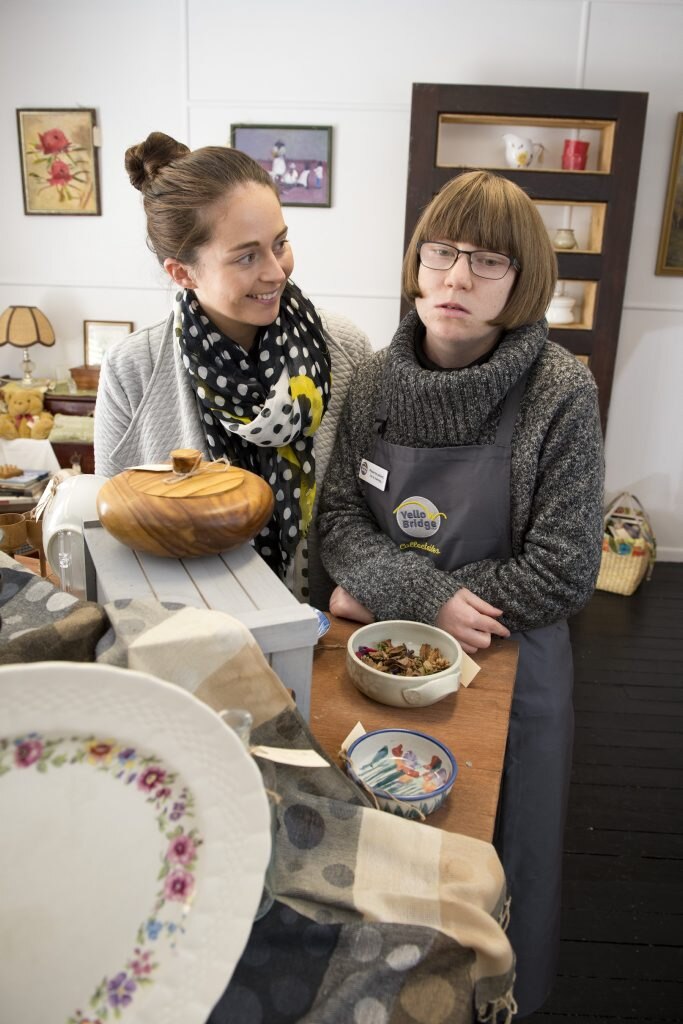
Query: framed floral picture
58, 153
670, 253
297, 157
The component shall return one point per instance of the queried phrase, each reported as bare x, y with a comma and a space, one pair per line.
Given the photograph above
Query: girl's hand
470, 620
346, 607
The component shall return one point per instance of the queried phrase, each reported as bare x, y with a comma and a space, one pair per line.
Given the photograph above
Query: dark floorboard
621, 954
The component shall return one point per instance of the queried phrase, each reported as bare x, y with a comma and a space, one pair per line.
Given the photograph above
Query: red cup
574, 155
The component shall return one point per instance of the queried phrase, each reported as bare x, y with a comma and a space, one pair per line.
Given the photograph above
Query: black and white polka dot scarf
262, 408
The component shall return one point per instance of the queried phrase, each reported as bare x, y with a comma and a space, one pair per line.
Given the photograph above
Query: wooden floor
622, 924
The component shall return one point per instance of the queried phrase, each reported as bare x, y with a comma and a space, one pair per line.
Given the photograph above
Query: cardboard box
237, 582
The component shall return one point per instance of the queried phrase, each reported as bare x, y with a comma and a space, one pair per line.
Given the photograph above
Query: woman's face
242, 271
456, 308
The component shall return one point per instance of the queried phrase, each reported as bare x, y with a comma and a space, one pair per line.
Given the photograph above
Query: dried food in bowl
399, 690
409, 772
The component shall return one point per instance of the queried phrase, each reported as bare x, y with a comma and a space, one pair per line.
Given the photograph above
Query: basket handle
619, 501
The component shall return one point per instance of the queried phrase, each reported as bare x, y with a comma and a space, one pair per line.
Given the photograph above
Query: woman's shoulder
568, 373
345, 339
142, 344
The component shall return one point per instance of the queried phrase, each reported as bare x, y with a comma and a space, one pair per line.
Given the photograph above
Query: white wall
194, 67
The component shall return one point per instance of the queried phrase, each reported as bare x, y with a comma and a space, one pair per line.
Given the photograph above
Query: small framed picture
670, 254
59, 168
297, 157
98, 335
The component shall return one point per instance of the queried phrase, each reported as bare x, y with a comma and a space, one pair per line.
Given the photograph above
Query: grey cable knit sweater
556, 479
146, 407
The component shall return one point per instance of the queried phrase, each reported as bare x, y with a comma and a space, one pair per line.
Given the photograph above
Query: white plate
135, 839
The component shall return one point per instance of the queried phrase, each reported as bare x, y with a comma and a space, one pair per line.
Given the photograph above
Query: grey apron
453, 505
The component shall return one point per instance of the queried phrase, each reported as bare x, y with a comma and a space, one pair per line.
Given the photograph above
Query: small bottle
241, 721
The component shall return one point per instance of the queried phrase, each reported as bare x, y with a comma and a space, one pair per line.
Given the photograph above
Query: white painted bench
237, 582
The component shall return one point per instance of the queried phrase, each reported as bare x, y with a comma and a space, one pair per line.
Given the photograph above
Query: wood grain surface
473, 722
212, 511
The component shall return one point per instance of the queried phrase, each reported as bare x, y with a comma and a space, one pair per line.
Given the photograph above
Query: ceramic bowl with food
409, 772
382, 675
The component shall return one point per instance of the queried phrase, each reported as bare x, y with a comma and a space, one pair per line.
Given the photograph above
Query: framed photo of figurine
297, 157
98, 335
670, 254
59, 165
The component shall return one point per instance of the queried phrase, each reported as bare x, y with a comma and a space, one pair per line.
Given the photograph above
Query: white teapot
520, 152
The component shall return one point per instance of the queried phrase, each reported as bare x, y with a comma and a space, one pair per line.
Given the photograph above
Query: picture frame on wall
297, 157
670, 253
59, 161
98, 335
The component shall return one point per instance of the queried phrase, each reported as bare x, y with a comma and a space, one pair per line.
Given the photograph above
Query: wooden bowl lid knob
185, 460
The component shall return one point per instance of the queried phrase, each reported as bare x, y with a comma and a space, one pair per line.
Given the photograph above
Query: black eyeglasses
491, 265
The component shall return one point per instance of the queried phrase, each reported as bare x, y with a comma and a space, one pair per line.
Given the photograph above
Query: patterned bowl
410, 773
404, 691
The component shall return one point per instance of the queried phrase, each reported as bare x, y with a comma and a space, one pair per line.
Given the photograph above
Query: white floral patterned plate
135, 839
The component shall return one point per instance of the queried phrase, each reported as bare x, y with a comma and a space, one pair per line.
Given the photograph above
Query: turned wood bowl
192, 508
86, 378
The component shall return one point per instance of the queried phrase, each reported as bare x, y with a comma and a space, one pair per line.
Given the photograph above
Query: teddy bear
25, 416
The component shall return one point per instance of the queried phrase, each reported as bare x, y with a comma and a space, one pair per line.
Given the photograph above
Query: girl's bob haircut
486, 210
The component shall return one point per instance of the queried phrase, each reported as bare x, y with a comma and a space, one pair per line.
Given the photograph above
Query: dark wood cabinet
455, 128
70, 453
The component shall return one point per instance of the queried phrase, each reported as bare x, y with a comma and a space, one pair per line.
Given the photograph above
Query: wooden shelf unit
607, 187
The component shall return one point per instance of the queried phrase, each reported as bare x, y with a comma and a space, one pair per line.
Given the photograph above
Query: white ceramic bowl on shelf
409, 772
397, 690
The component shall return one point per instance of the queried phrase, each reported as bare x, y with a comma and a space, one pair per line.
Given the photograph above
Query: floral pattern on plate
173, 806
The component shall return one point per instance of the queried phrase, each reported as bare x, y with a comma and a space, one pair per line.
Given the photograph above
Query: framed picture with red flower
59, 168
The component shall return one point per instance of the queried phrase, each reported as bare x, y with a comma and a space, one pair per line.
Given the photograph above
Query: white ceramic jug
520, 152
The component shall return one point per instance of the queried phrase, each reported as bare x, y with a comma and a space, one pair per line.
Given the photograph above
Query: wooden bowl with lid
190, 507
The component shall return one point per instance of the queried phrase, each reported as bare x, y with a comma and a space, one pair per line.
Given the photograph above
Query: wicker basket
629, 548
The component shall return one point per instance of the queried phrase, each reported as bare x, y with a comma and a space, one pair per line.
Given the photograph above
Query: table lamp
24, 326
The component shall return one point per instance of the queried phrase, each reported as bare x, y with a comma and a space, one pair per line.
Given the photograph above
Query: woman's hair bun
144, 161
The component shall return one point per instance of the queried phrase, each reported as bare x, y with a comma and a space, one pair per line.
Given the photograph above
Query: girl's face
241, 272
456, 308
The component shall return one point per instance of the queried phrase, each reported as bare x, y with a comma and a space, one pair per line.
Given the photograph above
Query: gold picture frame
98, 335
670, 253
59, 165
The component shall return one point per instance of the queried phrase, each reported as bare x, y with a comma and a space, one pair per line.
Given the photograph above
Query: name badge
373, 475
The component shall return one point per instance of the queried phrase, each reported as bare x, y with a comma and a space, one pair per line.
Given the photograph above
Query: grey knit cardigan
556, 490
146, 407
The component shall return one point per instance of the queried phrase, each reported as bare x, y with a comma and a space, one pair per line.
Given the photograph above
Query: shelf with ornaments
572, 307
544, 144
574, 227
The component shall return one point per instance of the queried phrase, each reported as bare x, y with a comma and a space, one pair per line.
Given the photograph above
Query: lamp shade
25, 325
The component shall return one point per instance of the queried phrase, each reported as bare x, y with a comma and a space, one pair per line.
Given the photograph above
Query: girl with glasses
243, 365
465, 490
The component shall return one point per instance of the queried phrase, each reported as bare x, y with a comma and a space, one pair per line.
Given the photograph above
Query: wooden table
473, 722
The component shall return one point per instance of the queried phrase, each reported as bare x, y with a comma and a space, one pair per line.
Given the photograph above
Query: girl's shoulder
145, 342
567, 373
346, 341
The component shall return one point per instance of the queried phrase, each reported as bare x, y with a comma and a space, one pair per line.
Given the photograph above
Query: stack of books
27, 485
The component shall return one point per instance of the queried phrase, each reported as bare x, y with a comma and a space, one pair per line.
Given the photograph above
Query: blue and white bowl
409, 772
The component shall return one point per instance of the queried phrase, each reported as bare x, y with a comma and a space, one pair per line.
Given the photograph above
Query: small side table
72, 403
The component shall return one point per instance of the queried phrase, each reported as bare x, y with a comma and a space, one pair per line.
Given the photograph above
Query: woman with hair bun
465, 490
243, 366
